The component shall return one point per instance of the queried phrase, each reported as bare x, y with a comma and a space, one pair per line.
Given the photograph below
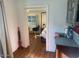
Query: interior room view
39, 29
36, 17
37, 23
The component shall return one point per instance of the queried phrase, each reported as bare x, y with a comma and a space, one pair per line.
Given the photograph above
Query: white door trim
47, 22
8, 44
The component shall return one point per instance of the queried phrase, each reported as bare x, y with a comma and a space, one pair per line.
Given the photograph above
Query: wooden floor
37, 49
38, 53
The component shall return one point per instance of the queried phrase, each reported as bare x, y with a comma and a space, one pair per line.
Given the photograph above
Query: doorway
36, 17
3, 36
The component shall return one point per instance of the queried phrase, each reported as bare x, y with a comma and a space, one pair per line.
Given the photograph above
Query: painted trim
7, 32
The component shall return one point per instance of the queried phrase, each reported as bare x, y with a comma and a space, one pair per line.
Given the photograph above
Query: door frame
47, 22
8, 44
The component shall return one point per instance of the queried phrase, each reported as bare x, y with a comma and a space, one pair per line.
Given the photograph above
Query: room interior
62, 40
36, 17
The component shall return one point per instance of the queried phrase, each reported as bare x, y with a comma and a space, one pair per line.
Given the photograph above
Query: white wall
3, 51
16, 16
57, 10
12, 23
22, 18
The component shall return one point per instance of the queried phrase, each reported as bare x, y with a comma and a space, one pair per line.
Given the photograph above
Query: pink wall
23, 24
16, 16
12, 23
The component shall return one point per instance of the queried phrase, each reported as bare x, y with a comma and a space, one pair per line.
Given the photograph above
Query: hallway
38, 53
37, 49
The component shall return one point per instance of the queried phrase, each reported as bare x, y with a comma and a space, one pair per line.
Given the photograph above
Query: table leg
58, 52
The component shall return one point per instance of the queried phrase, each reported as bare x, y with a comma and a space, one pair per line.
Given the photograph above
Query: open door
3, 50
5, 45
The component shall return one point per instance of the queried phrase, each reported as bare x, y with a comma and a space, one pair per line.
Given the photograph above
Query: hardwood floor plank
37, 49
